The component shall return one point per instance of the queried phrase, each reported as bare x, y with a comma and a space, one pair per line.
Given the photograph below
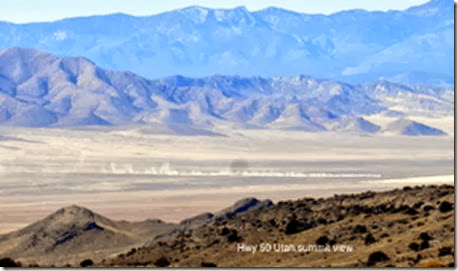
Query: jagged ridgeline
41, 90
409, 46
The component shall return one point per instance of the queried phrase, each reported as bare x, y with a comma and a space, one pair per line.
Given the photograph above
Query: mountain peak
412, 128
195, 8
30, 55
74, 208
73, 229
432, 8
242, 206
75, 211
242, 12
197, 14
273, 9
242, 9
278, 12
238, 16
18, 51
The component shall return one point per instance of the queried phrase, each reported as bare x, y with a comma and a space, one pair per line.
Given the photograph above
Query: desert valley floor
136, 173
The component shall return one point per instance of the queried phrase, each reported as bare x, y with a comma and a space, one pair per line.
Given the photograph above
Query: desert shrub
411, 211
360, 229
86, 263
414, 246
8, 262
322, 240
418, 205
233, 237
131, 252
208, 264
401, 208
424, 245
370, 239
225, 231
322, 221
428, 208
419, 257
443, 251
272, 223
384, 208
162, 262
425, 236
445, 207
293, 227
376, 257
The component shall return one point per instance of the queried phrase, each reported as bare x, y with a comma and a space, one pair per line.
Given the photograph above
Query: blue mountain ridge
410, 46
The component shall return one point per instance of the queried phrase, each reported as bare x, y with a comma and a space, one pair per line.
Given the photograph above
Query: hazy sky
21, 11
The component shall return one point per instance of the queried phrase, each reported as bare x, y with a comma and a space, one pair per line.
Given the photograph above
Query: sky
24, 11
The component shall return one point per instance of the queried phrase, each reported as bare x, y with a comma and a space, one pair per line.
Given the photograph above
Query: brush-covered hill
73, 234
413, 226
403, 228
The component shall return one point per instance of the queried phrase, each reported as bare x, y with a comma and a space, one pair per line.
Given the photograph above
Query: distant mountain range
410, 46
40, 90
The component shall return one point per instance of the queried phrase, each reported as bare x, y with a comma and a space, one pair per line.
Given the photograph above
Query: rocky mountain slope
40, 90
74, 233
413, 226
409, 46
409, 227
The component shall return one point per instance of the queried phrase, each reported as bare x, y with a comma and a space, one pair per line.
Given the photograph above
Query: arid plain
134, 174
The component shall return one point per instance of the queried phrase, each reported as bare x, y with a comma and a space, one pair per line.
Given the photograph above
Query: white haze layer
166, 170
